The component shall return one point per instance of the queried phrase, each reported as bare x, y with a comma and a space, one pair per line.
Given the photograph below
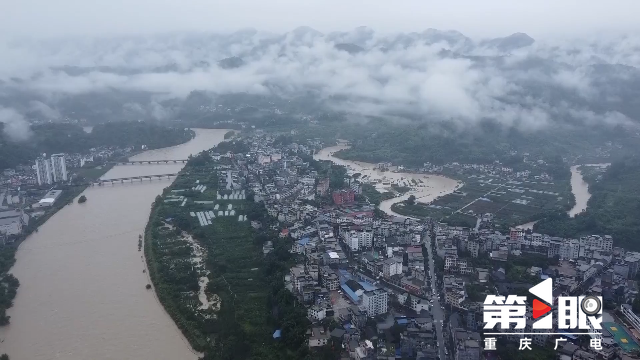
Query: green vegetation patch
254, 302
614, 208
512, 202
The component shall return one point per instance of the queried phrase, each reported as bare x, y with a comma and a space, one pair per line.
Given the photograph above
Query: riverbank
612, 209
229, 263
512, 202
580, 190
580, 185
84, 262
8, 251
425, 188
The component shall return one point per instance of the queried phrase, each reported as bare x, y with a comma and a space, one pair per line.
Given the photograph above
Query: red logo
540, 308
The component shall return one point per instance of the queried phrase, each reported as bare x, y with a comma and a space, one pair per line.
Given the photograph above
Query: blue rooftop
277, 334
344, 276
366, 286
303, 241
352, 296
402, 321
344, 272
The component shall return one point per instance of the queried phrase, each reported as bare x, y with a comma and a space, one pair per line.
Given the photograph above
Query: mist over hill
427, 76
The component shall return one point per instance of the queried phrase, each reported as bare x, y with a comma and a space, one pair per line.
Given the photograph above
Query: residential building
632, 259
43, 171
474, 248
554, 247
330, 279
323, 186
412, 285
570, 249
353, 242
365, 239
356, 187
375, 302
59, 167
318, 337
317, 312
450, 261
391, 267
343, 197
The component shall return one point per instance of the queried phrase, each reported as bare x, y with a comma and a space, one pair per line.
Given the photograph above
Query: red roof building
343, 197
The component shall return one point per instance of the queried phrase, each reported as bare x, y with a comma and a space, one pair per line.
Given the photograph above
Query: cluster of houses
352, 265
21, 193
368, 273
495, 169
588, 265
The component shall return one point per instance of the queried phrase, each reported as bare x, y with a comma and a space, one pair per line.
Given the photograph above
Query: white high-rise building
43, 171
59, 167
375, 302
365, 239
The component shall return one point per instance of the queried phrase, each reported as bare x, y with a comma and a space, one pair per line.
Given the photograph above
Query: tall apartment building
343, 197
330, 279
391, 267
365, 239
375, 302
59, 167
43, 171
474, 247
570, 249
323, 186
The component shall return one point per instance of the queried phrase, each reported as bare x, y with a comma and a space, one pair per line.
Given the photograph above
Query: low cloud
44, 110
15, 125
435, 75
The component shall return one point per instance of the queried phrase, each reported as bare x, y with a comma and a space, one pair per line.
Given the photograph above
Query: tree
411, 200
4, 357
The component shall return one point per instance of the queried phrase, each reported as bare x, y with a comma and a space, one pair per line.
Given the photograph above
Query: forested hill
136, 133
68, 138
614, 208
416, 143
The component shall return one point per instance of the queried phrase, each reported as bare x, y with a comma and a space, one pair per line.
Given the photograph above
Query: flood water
432, 186
82, 290
580, 189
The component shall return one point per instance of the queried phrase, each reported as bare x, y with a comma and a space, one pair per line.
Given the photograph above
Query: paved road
436, 311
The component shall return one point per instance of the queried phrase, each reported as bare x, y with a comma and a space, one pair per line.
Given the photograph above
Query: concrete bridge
137, 162
133, 178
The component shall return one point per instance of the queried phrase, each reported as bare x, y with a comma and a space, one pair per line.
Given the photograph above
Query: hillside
614, 208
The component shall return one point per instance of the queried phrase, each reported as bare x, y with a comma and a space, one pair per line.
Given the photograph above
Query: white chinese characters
506, 312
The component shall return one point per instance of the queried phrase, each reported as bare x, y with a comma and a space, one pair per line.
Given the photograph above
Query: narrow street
436, 311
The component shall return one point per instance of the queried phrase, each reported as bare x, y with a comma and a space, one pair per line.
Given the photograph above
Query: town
381, 286
29, 194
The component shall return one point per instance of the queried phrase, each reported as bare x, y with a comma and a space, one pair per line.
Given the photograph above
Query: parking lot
339, 301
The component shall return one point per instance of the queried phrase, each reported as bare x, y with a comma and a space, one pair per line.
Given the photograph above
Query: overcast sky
475, 18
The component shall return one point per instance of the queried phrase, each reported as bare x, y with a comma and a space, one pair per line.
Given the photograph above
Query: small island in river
82, 199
